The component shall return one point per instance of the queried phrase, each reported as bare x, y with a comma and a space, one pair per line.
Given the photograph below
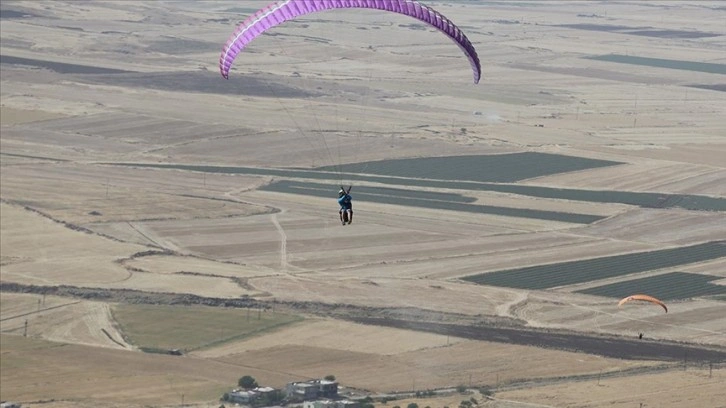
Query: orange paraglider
644, 298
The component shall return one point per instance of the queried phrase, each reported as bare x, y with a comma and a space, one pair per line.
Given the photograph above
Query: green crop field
163, 327
539, 164
569, 273
426, 199
664, 63
496, 168
669, 286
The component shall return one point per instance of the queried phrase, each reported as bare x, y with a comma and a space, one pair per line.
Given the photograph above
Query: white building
242, 397
312, 390
319, 404
239, 396
331, 404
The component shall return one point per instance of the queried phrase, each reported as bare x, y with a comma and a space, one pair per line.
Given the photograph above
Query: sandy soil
692, 387
37, 250
393, 91
431, 367
336, 335
60, 320
105, 375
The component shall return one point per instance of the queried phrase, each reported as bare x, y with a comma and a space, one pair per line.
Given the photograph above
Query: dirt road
600, 345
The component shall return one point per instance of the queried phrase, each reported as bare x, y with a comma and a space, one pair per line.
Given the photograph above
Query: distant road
613, 347
607, 346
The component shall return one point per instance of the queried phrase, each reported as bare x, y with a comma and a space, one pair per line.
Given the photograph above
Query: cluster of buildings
312, 390
312, 394
248, 397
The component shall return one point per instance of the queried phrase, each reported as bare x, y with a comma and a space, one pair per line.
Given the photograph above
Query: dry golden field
350, 86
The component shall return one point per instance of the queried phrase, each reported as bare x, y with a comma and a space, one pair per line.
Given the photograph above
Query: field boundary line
40, 310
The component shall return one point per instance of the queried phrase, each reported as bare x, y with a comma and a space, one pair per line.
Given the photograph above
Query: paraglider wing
644, 298
277, 13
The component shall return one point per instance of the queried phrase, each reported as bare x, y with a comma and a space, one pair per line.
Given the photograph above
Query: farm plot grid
640, 199
429, 200
581, 271
668, 286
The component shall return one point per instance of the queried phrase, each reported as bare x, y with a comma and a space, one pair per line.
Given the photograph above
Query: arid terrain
132, 173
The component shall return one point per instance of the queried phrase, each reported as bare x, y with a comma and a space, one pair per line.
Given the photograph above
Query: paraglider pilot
346, 205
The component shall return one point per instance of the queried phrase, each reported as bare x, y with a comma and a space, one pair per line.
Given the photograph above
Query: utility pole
25, 329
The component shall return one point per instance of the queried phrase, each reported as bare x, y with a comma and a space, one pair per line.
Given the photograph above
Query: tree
247, 382
412, 405
367, 402
330, 377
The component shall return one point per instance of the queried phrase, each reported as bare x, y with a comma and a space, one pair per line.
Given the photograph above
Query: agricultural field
642, 199
664, 63
574, 272
696, 386
162, 328
668, 286
148, 204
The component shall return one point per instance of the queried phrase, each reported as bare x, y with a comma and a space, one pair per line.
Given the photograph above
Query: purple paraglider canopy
277, 13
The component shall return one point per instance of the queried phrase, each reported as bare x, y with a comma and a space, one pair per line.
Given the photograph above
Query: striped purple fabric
277, 13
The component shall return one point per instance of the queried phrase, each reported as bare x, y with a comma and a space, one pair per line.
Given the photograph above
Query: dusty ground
60, 320
693, 387
392, 92
77, 372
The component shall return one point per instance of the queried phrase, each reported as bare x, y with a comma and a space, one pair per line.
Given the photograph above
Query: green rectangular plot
572, 272
664, 63
164, 327
427, 199
497, 168
641, 199
669, 286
